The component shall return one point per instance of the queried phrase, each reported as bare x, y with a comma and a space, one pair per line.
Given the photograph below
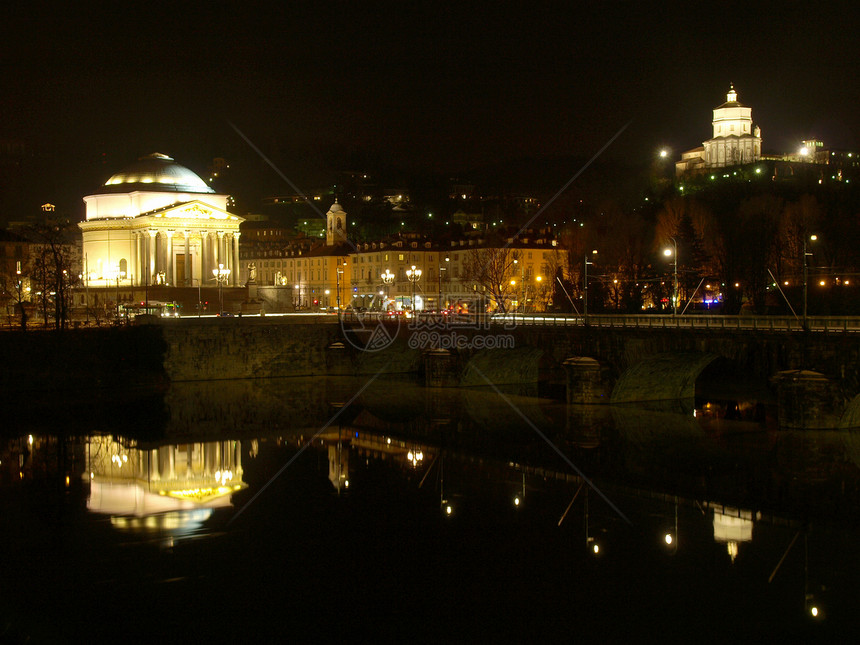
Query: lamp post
199, 298
120, 275
220, 275
87, 286
20, 287
585, 288
812, 238
338, 272
674, 253
441, 269
388, 280
522, 281
414, 276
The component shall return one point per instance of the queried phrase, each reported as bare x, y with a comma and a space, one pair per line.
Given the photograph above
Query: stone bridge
812, 375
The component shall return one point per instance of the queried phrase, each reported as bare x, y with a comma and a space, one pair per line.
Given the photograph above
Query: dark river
333, 510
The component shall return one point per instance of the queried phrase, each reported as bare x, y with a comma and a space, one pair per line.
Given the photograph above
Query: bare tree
53, 272
492, 269
12, 291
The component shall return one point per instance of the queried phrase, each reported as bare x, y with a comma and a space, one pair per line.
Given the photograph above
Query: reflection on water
460, 504
171, 488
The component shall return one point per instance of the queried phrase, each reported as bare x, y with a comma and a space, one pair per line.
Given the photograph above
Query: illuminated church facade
158, 223
735, 141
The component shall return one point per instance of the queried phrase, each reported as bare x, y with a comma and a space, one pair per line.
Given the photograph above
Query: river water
342, 510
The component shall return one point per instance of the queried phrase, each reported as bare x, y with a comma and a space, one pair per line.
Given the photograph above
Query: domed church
158, 223
736, 140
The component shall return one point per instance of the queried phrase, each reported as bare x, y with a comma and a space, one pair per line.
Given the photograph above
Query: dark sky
435, 86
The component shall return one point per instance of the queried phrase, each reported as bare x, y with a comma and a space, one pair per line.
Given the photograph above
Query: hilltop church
735, 140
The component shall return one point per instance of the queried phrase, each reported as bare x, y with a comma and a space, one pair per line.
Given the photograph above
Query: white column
135, 256
204, 257
151, 268
188, 281
171, 278
219, 258
236, 264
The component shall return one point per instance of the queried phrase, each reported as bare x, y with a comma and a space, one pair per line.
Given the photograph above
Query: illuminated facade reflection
731, 527
178, 482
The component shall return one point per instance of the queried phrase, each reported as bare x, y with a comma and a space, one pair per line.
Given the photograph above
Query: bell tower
335, 225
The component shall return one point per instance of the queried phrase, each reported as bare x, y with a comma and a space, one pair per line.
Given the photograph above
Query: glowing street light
340, 270
812, 238
220, 275
522, 281
673, 252
120, 275
414, 275
585, 288
441, 269
388, 280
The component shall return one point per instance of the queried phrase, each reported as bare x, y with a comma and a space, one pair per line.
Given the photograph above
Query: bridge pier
441, 368
807, 400
587, 381
337, 359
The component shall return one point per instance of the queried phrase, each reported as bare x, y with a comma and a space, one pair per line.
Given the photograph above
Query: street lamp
414, 276
199, 299
19, 287
522, 282
674, 253
585, 288
120, 275
338, 272
812, 238
220, 276
388, 280
441, 269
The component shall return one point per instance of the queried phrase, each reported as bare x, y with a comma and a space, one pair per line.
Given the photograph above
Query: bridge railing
696, 321
632, 321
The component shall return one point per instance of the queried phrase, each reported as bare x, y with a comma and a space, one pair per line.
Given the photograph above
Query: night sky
421, 87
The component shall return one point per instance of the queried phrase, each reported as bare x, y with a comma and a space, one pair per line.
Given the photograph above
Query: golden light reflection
732, 548
131, 481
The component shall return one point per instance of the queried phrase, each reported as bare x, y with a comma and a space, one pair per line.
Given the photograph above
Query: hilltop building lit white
735, 141
158, 223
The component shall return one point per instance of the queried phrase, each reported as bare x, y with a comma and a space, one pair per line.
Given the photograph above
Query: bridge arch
502, 366
662, 377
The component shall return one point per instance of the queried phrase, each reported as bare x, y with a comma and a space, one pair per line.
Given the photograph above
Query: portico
183, 235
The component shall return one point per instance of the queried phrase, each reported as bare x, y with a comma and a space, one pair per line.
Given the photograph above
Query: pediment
194, 210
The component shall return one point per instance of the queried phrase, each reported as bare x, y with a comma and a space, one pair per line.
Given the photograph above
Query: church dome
158, 173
